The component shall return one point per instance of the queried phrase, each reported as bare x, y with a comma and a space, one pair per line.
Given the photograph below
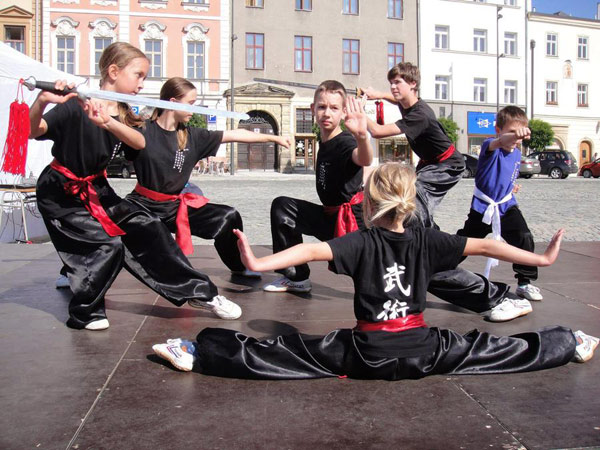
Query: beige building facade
308, 41
20, 22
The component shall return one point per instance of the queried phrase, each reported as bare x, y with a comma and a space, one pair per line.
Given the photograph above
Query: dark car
556, 163
119, 166
529, 167
591, 169
470, 166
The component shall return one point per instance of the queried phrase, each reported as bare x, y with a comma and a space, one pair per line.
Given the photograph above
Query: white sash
492, 216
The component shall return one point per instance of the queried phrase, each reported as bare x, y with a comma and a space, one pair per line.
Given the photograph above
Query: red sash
439, 158
88, 195
346, 222
183, 236
392, 325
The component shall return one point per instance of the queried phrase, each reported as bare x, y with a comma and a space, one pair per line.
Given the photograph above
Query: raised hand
246, 254
49, 97
96, 112
553, 248
356, 119
371, 93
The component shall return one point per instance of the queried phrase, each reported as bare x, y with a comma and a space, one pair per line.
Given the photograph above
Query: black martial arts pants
212, 221
514, 230
351, 353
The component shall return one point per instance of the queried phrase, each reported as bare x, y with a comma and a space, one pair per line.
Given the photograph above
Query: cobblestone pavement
547, 204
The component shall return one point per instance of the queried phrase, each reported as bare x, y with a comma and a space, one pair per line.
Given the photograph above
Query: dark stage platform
62, 388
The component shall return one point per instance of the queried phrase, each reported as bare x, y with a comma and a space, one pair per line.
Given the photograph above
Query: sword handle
49, 86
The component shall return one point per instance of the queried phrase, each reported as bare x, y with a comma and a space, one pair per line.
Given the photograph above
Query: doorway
258, 156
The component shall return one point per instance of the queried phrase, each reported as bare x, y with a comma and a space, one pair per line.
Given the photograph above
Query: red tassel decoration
14, 155
379, 112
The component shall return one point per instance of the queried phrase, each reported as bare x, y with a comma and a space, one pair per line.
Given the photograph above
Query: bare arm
241, 135
296, 255
508, 141
356, 123
505, 252
382, 131
99, 116
373, 94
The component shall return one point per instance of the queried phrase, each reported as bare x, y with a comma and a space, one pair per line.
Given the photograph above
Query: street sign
212, 119
481, 123
135, 110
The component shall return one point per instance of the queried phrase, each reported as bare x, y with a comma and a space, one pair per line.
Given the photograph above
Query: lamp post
532, 46
232, 98
498, 56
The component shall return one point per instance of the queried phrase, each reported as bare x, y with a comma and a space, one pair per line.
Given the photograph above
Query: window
153, 51
351, 56
395, 54
551, 92
582, 95
551, 44
582, 47
510, 92
15, 37
198, 2
65, 54
395, 9
304, 120
441, 37
442, 112
510, 2
255, 51
441, 87
510, 44
100, 43
195, 59
350, 7
303, 53
479, 90
304, 5
479, 41
255, 3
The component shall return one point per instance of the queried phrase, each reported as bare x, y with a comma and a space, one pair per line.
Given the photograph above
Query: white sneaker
284, 284
62, 282
247, 273
219, 305
586, 345
177, 352
97, 325
508, 309
530, 292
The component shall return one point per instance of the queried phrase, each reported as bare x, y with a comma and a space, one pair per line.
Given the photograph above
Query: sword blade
156, 103
295, 84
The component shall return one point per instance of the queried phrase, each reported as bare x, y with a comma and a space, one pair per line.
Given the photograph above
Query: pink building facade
187, 38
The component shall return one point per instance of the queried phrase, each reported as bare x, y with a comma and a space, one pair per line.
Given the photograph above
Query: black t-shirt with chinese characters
338, 178
391, 272
83, 148
425, 134
161, 166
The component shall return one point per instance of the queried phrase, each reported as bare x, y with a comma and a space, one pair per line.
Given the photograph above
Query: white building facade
473, 60
566, 87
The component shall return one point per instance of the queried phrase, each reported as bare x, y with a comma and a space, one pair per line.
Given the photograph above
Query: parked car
120, 166
470, 166
529, 167
591, 169
556, 163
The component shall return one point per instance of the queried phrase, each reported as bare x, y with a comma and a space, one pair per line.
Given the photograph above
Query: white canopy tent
13, 66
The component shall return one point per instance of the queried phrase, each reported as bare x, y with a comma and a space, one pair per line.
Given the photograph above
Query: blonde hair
176, 88
390, 193
332, 86
120, 54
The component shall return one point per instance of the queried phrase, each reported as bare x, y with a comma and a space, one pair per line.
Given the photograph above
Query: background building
20, 25
565, 64
306, 41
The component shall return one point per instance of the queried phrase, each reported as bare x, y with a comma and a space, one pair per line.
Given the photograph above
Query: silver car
529, 167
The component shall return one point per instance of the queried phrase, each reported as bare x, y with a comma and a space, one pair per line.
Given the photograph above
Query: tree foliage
197, 121
542, 135
450, 127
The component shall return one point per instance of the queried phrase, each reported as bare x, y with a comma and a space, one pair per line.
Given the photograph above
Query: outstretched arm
382, 131
241, 135
296, 255
373, 94
508, 141
356, 123
505, 252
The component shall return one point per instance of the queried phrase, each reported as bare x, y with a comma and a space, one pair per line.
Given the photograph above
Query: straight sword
358, 92
84, 93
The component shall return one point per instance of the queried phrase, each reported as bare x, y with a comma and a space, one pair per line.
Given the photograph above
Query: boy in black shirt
441, 165
340, 161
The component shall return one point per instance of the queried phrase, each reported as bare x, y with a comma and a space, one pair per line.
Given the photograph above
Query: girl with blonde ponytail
164, 167
391, 267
